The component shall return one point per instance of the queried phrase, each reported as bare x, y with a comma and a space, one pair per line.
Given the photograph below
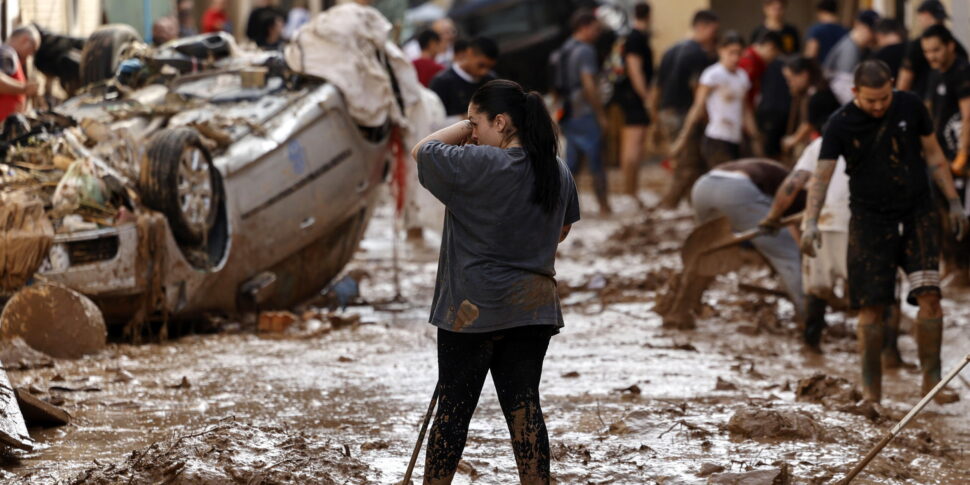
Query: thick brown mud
626, 401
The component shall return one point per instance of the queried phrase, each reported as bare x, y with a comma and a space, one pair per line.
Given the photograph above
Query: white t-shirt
725, 105
835, 212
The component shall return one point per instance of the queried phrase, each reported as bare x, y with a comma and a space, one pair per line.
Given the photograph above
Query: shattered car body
262, 190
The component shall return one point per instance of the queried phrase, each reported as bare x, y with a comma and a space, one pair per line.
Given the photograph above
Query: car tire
179, 180
102, 52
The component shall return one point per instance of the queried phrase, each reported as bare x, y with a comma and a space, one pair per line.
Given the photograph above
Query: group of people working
884, 165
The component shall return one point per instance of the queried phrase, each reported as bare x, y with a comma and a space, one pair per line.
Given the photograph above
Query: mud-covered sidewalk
626, 401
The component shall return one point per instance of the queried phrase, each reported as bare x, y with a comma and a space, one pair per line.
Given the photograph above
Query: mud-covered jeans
514, 357
585, 137
744, 205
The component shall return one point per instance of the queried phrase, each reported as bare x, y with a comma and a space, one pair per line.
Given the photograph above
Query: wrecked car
199, 178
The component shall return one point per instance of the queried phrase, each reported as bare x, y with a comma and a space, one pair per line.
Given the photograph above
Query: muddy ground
626, 401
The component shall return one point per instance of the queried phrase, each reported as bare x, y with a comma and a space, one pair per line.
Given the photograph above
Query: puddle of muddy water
363, 390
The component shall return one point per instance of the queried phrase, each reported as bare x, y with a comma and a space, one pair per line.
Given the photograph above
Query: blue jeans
583, 137
744, 205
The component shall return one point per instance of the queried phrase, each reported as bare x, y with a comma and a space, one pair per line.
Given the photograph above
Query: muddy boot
814, 323
602, 196
686, 302
929, 340
891, 358
870, 346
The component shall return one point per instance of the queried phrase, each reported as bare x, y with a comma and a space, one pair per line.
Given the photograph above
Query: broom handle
902, 424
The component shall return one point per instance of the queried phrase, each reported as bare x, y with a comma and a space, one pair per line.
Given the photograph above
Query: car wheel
179, 179
102, 52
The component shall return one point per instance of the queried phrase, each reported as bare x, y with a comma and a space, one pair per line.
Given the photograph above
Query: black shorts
634, 113
879, 246
715, 152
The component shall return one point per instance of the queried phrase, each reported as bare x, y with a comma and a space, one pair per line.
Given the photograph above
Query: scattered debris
275, 322
774, 476
634, 389
17, 355
709, 469
233, 452
724, 385
571, 375
827, 390
769, 423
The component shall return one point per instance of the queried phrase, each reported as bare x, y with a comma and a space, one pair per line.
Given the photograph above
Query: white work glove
811, 238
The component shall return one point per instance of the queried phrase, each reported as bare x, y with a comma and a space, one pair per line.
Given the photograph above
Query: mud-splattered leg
929, 340
516, 371
814, 322
891, 358
462, 365
869, 332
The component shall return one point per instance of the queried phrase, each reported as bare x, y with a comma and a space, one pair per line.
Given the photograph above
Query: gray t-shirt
496, 268
844, 57
581, 59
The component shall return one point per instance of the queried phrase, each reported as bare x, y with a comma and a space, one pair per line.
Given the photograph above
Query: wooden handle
752, 233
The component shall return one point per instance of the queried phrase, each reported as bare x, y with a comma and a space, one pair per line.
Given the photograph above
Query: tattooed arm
812, 238
936, 162
784, 197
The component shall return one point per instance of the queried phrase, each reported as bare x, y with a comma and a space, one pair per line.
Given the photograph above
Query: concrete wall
60, 16
671, 22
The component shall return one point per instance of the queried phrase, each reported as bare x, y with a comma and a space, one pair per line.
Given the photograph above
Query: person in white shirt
720, 96
822, 274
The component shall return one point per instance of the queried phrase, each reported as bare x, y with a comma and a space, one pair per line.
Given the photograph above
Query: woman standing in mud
510, 202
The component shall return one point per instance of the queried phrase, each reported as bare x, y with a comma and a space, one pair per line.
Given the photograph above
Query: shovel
902, 424
711, 236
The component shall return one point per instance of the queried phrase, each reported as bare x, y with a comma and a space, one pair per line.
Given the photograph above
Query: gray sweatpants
735, 196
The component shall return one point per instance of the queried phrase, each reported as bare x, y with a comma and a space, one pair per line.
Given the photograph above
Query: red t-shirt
213, 20
427, 68
755, 66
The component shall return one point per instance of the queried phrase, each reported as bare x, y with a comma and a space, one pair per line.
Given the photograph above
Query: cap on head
829, 6
868, 18
934, 8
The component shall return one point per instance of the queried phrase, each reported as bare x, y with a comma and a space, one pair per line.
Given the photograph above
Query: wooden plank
37, 412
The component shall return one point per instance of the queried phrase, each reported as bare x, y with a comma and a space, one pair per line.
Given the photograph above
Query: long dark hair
535, 130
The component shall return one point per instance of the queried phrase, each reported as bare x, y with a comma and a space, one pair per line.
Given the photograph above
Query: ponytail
539, 138
535, 130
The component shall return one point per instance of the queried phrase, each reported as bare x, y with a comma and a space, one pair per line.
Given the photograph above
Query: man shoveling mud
883, 135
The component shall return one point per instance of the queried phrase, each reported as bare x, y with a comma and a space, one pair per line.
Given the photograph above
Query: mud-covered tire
102, 52
178, 179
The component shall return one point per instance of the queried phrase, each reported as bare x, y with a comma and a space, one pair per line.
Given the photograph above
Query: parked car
246, 185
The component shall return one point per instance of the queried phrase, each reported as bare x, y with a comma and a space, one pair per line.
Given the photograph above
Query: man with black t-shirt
890, 43
677, 78
633, 96
774, 11
915, 71
456, 85
949, 95
891, 151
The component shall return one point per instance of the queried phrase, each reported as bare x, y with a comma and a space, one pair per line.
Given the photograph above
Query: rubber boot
600, 187
891, 358
814, 322
929, 341
870, 347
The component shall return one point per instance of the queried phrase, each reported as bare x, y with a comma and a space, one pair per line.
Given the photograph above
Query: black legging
514, 357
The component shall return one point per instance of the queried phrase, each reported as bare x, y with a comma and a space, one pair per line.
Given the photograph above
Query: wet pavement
626, 401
